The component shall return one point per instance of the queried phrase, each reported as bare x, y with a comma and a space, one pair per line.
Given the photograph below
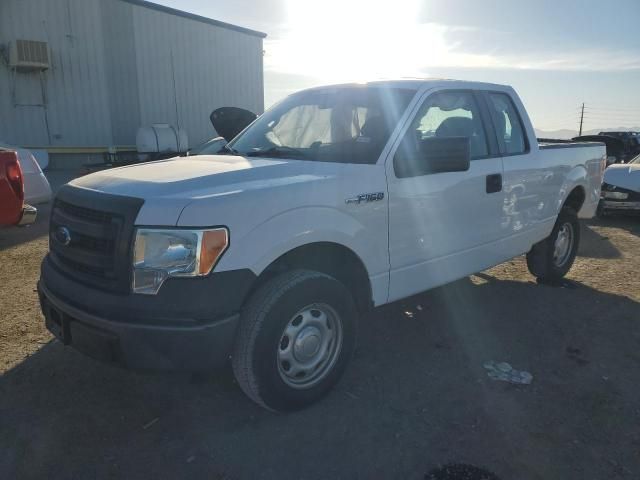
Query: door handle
494, 183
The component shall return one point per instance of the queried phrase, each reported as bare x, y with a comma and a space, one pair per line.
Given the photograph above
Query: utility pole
581, 119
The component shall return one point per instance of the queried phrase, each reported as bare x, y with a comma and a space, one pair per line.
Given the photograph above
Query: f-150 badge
366, 198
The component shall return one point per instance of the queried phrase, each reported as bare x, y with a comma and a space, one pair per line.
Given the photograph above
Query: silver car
621, 188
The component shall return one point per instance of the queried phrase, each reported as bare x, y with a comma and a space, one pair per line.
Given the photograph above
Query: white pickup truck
336, 200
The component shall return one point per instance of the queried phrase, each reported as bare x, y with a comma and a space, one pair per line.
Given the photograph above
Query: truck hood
624, 176
168, 186
198, 176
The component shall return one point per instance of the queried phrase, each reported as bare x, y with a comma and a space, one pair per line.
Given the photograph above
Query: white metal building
108, 67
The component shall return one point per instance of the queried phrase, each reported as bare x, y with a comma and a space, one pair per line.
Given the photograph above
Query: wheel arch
574, 191
576, 198
331, 258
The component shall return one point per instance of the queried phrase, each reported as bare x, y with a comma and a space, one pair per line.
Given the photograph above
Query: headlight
160, 254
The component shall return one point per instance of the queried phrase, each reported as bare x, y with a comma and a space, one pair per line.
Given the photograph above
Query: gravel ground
414, 397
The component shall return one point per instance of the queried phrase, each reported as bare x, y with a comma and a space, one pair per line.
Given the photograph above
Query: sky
556, 53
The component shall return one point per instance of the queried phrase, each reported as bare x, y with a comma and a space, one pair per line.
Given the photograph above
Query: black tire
541, 261
255, 359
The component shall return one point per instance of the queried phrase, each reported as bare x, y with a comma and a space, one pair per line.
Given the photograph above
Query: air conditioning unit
28, 55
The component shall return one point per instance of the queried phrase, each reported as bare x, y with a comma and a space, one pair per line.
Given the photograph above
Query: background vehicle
621, 188
336, 200
36, 186
228, 122
616, 150
631, 141
13, 210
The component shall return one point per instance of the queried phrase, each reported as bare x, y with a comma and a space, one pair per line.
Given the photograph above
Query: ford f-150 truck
336, 200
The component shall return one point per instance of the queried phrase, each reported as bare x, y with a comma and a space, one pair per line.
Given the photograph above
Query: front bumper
619, 205
177, 330
615, 198
28, 216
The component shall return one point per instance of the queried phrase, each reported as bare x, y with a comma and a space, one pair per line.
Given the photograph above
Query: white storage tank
161, 138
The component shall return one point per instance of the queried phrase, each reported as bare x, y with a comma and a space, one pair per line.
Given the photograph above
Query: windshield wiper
227, 150
278, 152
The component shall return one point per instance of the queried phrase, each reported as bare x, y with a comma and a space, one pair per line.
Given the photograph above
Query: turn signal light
14, 175
214, 243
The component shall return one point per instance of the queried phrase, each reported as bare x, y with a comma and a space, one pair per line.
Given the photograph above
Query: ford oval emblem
63, 235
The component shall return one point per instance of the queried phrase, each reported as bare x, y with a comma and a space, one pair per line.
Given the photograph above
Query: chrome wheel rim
563, 245
309, 346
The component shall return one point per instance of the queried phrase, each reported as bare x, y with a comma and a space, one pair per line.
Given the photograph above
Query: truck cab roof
419, 84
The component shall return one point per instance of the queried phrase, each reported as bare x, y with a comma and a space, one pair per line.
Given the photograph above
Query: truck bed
549, 143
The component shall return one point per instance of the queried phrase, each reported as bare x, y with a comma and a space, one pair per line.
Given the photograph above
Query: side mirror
434, 155
611, 159
230, 121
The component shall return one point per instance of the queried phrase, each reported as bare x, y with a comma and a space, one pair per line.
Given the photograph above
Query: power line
614, 109
602, 116
592, 117
603, 112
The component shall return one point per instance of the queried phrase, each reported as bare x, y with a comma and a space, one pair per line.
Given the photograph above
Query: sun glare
340, 40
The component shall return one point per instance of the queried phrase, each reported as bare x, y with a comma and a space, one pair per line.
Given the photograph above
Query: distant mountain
563, 134
566, 133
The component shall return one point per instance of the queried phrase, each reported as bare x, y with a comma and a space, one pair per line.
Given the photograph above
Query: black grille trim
101, 227
84, 213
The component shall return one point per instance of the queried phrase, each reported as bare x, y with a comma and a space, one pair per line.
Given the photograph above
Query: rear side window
506, 119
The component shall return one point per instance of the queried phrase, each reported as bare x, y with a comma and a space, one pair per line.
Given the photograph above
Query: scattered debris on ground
460, 471
506, 373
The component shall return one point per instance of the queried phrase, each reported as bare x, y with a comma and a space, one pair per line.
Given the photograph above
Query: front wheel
296, 335
551, 259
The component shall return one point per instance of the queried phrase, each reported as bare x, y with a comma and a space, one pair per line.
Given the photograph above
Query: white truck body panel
427, 230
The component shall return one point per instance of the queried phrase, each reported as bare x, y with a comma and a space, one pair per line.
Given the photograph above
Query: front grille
84, 268
85, 213
90, 236
89, 243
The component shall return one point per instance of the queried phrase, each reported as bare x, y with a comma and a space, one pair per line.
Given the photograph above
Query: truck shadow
594, 245
415, 396
630, 223
12, 236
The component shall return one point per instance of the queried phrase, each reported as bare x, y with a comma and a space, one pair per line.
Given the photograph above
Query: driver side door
443, 225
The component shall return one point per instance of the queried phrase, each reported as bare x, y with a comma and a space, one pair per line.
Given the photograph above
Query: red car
13, 210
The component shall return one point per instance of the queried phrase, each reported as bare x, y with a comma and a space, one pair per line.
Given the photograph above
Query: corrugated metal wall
75, 88
118, 40
117, 66
212, 67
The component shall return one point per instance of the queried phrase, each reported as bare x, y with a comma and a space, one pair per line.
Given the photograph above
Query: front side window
443, 115
509, 129
341, 124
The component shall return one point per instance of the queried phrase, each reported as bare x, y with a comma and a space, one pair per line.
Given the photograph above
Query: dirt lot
415, 396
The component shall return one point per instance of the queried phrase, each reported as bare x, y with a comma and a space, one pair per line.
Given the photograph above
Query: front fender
266, 242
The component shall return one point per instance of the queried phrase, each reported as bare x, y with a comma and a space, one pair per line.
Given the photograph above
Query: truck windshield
343, 124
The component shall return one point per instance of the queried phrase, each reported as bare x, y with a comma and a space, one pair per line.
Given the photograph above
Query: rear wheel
552, 258
296, 335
